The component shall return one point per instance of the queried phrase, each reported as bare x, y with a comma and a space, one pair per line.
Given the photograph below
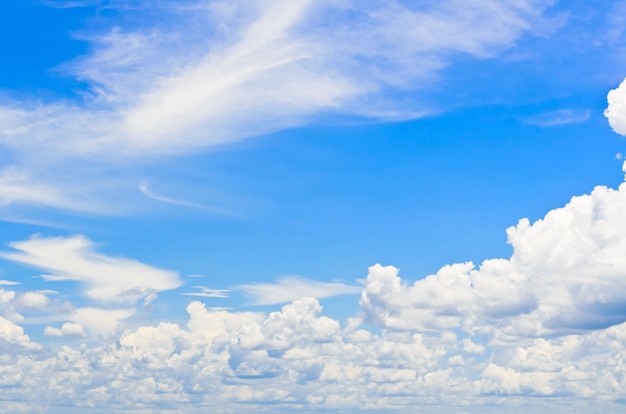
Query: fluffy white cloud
100, 322
67, 329
12, 303
616, 111
107, 279
549, 321
33, 300
11, 334
566, 274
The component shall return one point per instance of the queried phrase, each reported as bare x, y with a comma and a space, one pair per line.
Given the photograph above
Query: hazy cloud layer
559, 117
289, 288
566, 275
297, 358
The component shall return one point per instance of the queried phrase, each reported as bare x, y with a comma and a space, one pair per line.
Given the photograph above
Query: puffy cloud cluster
289, 288
297, 358
548, 321
116, 285
567, 274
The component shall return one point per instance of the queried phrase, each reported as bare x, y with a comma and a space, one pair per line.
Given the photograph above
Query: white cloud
99, 322
616, 111
289, 288
33, 300
14, 335
565, 275
235, 70
107, 279
8, 283
7, 306
207, 292
297, 359
67, 329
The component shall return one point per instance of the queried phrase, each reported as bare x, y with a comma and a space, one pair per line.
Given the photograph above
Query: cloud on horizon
558, 117
289, 288
547, 322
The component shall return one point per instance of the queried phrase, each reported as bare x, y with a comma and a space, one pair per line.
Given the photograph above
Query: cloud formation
296, 358
290, 288
616, 110
107, 279
236, 70
566, 275
547, 322
67, 329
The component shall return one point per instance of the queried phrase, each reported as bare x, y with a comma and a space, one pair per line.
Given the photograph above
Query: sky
322, 206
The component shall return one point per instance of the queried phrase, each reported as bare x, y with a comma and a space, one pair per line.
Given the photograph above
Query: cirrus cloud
235, 70
107, 279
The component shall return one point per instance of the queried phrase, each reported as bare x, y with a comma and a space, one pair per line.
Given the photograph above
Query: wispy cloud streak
289, 288
207, 292
143, 187
216, 72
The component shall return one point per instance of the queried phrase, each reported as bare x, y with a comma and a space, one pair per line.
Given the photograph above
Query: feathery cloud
107, 279
616, 110
235, 70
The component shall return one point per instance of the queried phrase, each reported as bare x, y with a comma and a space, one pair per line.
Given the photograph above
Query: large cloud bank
547, 322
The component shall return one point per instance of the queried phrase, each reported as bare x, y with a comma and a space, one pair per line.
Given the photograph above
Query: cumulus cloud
235, 70
11, 334
67, 329
33, 300
297, 359
99, 322
14, 303
616, 110
548, 321
289, 288
107, 279
566, 274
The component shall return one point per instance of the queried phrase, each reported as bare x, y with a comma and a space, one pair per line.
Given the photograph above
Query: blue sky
313, 205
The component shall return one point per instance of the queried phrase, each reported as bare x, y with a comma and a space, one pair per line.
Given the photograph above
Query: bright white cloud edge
616, 110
